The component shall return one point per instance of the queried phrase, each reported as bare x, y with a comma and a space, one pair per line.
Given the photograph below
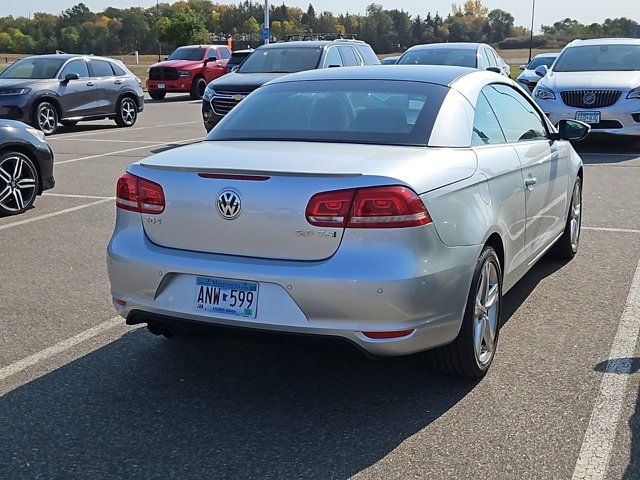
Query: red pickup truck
188, 69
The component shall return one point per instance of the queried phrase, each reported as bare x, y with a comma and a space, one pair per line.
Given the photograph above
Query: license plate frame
162, 86
237, 298
591, 118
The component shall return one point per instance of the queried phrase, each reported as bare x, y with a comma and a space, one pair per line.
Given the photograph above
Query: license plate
588, 117
230, 297
161, 85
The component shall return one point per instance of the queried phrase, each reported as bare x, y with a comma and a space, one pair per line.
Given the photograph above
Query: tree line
124, 30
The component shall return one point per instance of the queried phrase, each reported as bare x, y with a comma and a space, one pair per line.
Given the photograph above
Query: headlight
14, 91
36, 133
635, 93
209, 93
184, 73
544, 93
139, 81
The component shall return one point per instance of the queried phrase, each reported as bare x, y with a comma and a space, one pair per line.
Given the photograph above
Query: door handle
118, 81
530, 182
90, 84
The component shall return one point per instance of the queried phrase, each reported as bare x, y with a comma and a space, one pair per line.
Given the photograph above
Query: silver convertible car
391, 207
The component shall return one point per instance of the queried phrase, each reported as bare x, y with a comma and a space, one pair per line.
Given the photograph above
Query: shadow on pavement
171, 98
233, 405
618, 149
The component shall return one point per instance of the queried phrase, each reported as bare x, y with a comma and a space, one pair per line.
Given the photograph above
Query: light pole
157, 30
533, 13
266, 23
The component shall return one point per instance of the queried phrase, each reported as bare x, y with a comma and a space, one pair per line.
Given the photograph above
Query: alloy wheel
128, 111
47, 118
17, 183
485, 317
575, 216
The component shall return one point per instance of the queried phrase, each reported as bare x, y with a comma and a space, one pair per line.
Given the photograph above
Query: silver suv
47, 90
595, 81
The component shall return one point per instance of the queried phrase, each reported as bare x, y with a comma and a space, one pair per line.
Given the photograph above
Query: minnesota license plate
161, 85
588, 117
230, 297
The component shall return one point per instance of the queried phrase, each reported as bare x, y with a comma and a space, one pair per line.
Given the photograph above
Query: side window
75, 66
118, 70
223, 54
493, 62
351, 58
486, 129
483, 61
518, 119
333, 58
100, 68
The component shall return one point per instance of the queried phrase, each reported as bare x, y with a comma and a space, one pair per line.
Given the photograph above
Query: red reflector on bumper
120, 302
389, 334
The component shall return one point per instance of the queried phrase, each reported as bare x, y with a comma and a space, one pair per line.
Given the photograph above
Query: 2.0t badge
229, 204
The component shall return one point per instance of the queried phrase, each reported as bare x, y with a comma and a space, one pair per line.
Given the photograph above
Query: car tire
69, 123
127, 112
567, 245
472, 352
45, 117
157, 94
18, 183
198, 87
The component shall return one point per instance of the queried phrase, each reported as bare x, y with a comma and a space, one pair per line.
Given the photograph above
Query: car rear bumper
343, 296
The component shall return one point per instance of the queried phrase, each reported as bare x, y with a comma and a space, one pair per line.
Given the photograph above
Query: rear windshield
186, 53
237, 58
336, 111
462, 57
282, 60
597, 58
33, 68
536, 62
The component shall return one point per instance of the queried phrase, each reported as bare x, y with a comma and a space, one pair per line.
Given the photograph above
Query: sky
547, 11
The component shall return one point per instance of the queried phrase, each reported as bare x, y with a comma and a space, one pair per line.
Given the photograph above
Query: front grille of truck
163, 73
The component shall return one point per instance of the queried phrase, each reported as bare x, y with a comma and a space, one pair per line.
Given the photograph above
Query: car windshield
186, 53
536, 62
33, 68
282, 60
599, 58
462, 57
237, 58
336, 111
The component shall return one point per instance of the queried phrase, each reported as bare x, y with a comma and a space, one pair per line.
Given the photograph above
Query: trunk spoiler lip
240, 171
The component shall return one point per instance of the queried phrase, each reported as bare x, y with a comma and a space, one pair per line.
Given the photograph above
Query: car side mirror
211, 59
71, 76
166, 58
494, 70
522, 67
572, 130
541, 71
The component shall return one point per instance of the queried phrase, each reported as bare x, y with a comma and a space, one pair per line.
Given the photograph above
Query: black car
26, 166
237, 57
276, 60
46, 90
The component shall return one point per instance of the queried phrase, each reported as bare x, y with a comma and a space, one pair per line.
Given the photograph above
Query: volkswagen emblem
589, 98
229, 204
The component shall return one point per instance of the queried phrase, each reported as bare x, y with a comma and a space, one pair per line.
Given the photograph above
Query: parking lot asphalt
84, 396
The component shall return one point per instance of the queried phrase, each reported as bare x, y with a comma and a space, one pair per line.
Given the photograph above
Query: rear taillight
139, 195
372, 207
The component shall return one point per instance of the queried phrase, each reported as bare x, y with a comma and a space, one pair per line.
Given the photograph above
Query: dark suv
276, 60
49, 89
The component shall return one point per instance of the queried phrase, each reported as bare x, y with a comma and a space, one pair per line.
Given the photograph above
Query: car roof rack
310, 37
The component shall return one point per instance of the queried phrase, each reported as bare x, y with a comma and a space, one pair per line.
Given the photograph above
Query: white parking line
120, 130
70, 195
611, 230
21, 365
601, 432
54, 214
108, 140
146, 147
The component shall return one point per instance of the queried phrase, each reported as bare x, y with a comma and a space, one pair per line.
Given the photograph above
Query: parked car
390, 60
529, 78
237, 57
26, 166
188, 70
472, 55
595, 81
276, 60
46, 90
384, 206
